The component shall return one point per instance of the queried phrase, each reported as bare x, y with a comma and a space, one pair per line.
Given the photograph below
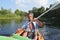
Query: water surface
10, 27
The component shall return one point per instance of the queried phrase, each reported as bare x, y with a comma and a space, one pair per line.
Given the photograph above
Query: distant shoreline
14, 17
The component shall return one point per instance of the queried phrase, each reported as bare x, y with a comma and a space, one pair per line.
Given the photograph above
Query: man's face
30, 17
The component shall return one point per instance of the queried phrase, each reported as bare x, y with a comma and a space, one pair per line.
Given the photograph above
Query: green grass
14, 17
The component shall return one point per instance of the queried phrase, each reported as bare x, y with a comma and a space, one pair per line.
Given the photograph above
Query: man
34, 20
33, 23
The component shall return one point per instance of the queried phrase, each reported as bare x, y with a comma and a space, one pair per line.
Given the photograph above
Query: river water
10, 27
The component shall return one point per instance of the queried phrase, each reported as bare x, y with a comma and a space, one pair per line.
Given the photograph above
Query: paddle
44, 12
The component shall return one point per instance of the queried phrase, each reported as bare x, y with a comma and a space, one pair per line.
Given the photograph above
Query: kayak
14, 37
6, 38
18, 37
40, 36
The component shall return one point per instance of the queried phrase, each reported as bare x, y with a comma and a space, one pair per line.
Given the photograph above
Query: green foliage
8, 14
41, 10
37, 11
17, 12
53, 16
5, 11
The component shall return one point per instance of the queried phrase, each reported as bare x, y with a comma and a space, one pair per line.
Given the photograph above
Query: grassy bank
14, 17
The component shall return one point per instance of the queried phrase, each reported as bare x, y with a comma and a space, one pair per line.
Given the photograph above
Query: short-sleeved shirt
35, 26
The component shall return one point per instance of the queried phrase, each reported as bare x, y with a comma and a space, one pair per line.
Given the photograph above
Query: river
10, 26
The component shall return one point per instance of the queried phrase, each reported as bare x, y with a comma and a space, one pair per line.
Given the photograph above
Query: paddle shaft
47, 11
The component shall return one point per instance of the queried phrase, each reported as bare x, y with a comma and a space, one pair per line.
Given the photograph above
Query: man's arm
39, 22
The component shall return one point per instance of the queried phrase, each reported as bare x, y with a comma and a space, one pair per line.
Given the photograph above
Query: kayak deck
6, 38
15, 37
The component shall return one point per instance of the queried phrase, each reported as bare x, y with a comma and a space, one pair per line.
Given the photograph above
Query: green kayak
6, 38
15, 37
20, 37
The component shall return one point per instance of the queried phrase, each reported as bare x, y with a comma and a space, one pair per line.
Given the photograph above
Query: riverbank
7, 17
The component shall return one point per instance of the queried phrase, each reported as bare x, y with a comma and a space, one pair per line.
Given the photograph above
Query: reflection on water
10, 26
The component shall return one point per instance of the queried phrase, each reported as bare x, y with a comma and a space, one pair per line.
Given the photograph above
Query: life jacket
35, 24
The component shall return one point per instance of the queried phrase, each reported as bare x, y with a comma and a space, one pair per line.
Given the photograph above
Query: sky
25, 5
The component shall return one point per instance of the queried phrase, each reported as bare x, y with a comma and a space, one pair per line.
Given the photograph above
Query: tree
37, 11
17, 12
41, 10
5, 11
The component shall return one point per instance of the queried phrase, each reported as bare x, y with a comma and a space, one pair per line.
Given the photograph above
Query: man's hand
35, 19
39, 22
